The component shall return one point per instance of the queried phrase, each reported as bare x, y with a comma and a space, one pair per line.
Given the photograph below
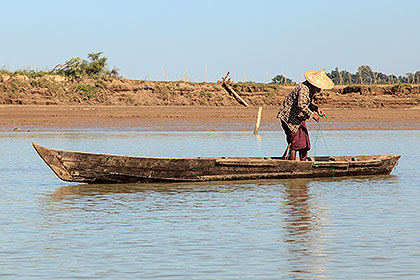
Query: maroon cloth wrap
298, 140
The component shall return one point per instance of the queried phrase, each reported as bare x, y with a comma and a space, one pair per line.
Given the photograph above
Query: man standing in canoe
298, 107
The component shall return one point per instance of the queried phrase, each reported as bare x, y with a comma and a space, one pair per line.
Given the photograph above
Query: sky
254, 40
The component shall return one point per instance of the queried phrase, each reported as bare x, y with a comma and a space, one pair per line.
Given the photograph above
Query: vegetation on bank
96, 67
30, 73
77, 80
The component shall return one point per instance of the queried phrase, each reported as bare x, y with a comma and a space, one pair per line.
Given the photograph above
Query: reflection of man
302, 228
298, 107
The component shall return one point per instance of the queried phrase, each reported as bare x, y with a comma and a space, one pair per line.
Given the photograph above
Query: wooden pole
287, 151
257, 124
163, 72
228, 88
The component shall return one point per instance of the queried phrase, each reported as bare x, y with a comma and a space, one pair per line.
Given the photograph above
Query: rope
325, 143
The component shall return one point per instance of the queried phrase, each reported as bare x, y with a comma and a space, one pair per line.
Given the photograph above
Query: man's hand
315, 116
321, 113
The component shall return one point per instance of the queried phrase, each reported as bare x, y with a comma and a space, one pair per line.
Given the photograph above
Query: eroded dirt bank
56, 90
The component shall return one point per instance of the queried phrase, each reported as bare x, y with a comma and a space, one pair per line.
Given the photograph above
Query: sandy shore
179, 118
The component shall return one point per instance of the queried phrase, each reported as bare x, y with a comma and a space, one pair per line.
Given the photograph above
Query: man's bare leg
303, 154
292, 154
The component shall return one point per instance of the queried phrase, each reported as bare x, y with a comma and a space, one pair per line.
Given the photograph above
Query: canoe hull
101, 168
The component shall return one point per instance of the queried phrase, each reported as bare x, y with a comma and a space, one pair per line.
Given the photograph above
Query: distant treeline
364, 75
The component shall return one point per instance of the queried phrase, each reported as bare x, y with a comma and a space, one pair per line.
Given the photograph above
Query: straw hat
319, 79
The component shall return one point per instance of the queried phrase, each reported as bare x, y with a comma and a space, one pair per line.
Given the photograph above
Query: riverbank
57, 90
21, 118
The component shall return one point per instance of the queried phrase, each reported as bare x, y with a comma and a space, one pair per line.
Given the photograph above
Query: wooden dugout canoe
101, 168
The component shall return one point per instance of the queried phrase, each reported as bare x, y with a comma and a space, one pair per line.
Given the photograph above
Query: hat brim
319, 79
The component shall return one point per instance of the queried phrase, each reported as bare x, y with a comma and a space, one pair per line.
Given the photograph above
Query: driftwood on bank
227, 85
57, 66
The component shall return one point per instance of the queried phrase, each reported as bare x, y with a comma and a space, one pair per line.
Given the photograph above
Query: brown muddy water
351, 228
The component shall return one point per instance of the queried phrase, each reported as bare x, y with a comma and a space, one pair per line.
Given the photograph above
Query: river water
353, 228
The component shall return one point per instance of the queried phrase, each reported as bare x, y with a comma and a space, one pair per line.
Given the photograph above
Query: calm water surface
355, 228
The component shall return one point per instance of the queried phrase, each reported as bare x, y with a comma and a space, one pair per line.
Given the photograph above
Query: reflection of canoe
100, 168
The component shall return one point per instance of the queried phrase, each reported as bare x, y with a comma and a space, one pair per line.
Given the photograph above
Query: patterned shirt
297, 107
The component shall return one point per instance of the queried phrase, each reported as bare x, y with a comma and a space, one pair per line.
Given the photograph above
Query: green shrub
86, 91
26, 72
101, 84
96, 66
269, 94
31, 73
206, 94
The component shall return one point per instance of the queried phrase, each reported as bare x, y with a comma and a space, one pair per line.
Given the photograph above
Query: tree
382, 78
346, 76
282, 80
393, 79
96, 66
340, 77
334, 76
410, 78
417, 76
74, 68
366, 74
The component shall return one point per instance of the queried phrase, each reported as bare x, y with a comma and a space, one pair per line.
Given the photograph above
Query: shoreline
40, 118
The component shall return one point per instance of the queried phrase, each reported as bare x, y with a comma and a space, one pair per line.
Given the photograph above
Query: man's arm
304, 102
317, 112
313, 107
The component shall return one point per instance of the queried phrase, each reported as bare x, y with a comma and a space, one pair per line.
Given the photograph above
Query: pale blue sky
183, 37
